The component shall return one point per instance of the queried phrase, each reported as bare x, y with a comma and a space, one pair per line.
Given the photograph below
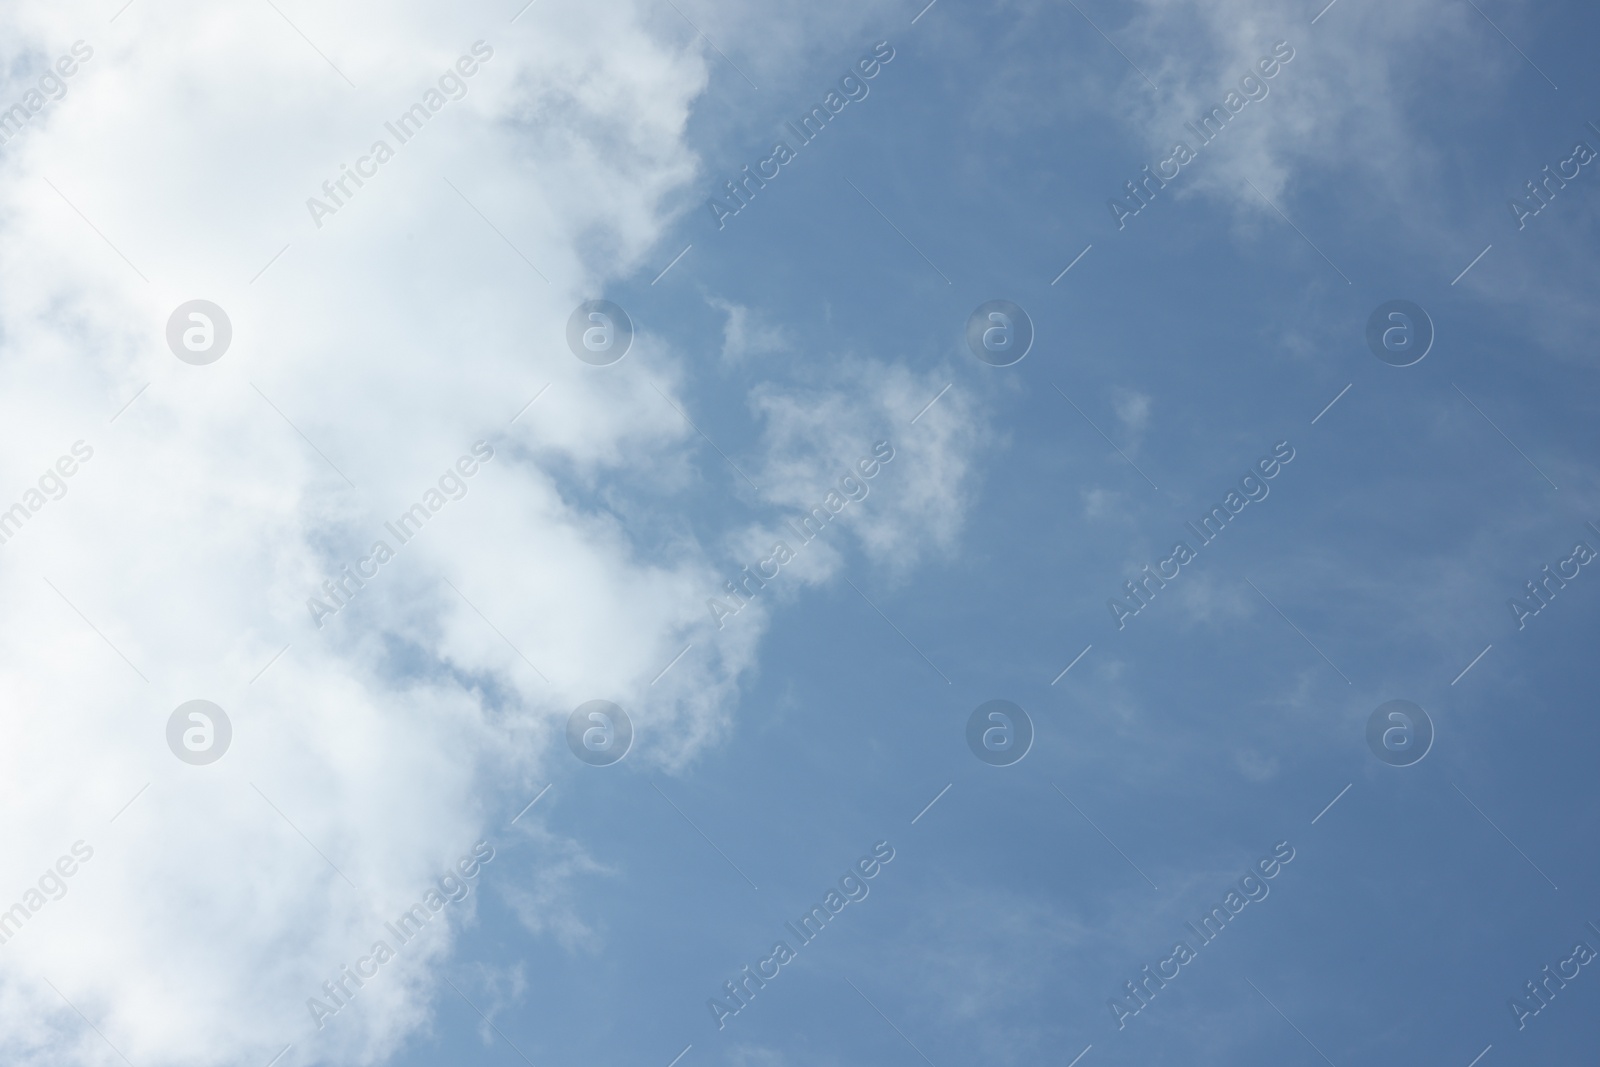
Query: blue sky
1209, 730
1227, 718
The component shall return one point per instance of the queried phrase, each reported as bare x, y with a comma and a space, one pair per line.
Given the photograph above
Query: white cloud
1255, 766
1340, 101
1104, 504
547, 905
757, 1056
1207, 598
1133, 409
817, 435
746, 334
376, 348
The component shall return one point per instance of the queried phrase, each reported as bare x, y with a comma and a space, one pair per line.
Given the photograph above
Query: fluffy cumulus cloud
388, 335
